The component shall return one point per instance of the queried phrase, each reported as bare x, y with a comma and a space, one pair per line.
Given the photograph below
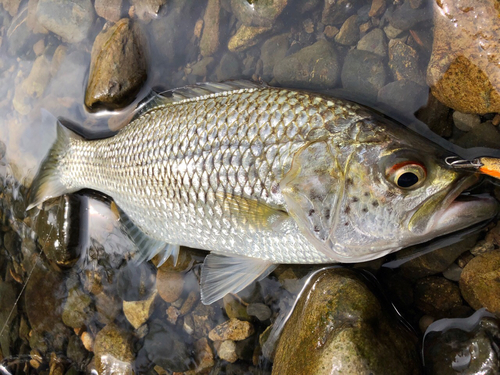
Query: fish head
382, 190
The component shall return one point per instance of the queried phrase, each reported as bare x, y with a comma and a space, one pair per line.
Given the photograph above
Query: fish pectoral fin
147, 246
222, 274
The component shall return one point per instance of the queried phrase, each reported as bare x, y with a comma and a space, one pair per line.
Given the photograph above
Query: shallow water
41, 272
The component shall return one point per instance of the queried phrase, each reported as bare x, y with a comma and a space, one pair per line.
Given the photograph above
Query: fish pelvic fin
47, 182
221, 275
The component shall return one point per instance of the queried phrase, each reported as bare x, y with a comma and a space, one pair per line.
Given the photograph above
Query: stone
76, 308
404, 96
147, 10
202, 67
32, 21
392, 32
260, 13
331, 31
227, 351
110, 10
453, 272
336, 12
192, 298
173, 314
204, 356
234, 308
377, 8
436, 295
136, 282
113, 349
480, 282
167, 347
11, 6
403, 62
70, 19
246, 37
349, 32
374, 42
465, 121
456, 350
39, 47
272, 52
232, 329
483, 135
170, 284
424, 322
405, 17
363, 72
339, 324
138, 312
259, 310
436, 116
118, 66
76, 352
228, 68
462, 70
108, 307
210, 39
313, 67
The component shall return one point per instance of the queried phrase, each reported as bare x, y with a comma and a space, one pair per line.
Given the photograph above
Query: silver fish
262, 176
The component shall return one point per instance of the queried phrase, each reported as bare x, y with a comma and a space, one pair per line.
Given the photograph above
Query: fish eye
407, 175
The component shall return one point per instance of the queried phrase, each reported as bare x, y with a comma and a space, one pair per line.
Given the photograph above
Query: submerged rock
246, 37
335, 12
403, 61
339, 324
118, 67
374, 42
258, 13
110, 10
316, 66
210, 39
349, 32
436, 295
113, 349
272, 52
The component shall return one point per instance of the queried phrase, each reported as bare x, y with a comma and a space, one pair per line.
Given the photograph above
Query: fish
261, 176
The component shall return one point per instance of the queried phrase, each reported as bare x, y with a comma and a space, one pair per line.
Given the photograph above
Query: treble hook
456, 162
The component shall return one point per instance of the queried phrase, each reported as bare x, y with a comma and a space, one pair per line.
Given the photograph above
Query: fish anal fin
222, 274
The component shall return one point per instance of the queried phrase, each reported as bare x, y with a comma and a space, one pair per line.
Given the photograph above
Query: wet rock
210, 39
113, 349
465, 121
170, 284
403, 62
76, 308
458, 351
313, 67
331, 31
349, 32
173, 314
259, 310
392, 32
146, 10
138, 312
234, 308
201, 68
374, 42
58, 229
11, 6
229, 67
435, 295
108, 307
71, 19
436, 116
459, 76
110, 10
272, 52
167, 347
453, 272
335, 12
118, 67
480, 282
190, 301
396, 95
227, 351
232, 329
377, 8
136, 282
405, 17
204, 319
204, 355
258, 13
363, 72
338, 323
246, 37
19, 35
483, 135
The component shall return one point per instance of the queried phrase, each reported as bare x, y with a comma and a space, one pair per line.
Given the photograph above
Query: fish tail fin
47, 182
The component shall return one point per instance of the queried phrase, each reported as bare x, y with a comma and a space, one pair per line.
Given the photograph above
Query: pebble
75, 311
118, 67
259, 310
210, 39
465, 121
147, 10
392, 32
349, 32
480, 282
227, 351
405, 17
364, 73
258, 13
377, 8
374, 42
403, 61
331, 31
313, 67
70, 19
272, 52
483, 135
234, 308
19, 35
335, 12
170, 284
482, 247
436, 116
113, 349
232, 329
453, 272
204, 355
228, 68
424, 322
435, 295
173, 314
87, 341
138, 312
110, 10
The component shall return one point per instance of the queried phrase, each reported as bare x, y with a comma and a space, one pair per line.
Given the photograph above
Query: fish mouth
453, 210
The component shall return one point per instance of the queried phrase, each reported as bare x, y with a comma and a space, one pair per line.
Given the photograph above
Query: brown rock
232, 329
403, 61
113, 350
204, 355
138, 312
227, 351
463, 71
331, 31
260, 13
336, 12
118, 66
349, 32
378, 8
480, 282
146, 10
32, 21
209, 43
246, 37
11, 6
170, 284
110, 10
435, 295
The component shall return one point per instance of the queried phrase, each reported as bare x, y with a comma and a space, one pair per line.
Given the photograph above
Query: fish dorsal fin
221, 275
155, 99
148, 247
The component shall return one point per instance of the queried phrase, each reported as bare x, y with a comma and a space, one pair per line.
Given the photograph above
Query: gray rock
146, 10
70, 19
75, 312
405, 17
339, 323
465, 121
374, 42
272, 52
363, 72
392, 32
335, 12
12, 242
110, 10
259, 310
3, 150
349, 32
403, 61
260, 13
313, 67
483, 135
229, 67
404, 96
453, 272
